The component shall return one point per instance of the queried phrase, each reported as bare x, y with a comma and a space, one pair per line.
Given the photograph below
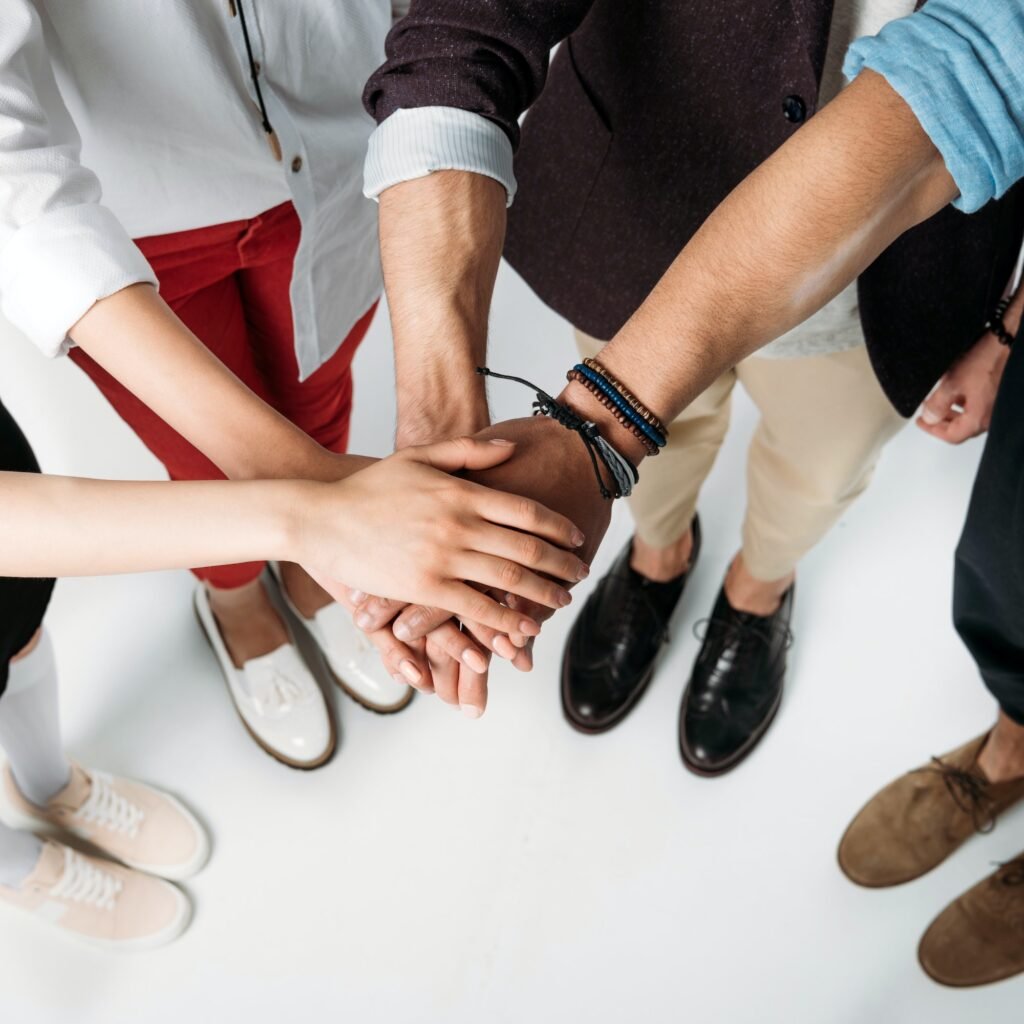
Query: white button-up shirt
123, 119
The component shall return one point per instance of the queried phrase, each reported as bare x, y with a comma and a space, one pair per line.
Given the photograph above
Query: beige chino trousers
824, 422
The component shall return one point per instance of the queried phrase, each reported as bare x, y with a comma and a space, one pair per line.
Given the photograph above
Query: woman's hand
406, 529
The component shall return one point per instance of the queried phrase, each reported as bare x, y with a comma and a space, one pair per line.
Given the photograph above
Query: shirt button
794, 109
297, 164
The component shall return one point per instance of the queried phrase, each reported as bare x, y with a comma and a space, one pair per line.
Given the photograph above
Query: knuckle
531, 550
510, 574
527, 510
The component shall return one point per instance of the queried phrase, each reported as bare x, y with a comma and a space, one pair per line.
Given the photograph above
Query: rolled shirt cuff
958, 69
415, 142
54, 269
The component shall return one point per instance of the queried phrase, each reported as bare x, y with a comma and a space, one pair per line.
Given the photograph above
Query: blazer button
297, 164
794, 109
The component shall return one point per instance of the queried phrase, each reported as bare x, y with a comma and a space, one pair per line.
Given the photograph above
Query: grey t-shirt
836, 326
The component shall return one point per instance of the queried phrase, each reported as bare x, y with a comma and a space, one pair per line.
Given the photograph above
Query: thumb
938, 406
464, 453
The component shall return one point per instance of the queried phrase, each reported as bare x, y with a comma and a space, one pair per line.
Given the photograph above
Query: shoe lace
1010, 872
742, 630
110, 809
639, 606
82, 882
969, 792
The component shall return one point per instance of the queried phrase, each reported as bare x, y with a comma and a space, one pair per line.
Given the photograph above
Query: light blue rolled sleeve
413, 143
959, 65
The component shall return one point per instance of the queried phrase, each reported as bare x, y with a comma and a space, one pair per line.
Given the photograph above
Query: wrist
294, 507
320, 464
441, 404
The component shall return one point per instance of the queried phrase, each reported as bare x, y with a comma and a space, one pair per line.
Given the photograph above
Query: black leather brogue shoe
736, 686
614, 644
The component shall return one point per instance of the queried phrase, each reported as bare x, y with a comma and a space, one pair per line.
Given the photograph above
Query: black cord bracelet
619, 468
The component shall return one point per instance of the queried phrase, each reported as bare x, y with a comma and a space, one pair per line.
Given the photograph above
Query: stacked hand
550, 470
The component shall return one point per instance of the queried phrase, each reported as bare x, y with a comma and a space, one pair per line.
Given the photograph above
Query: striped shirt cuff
415, 142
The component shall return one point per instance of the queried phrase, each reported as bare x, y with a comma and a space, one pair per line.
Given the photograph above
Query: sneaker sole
171, 933
15, 818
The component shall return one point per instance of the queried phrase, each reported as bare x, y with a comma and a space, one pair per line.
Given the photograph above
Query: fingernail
472, 711
356, 596
563, 597
529, 627
402, 630
577, 537
502, 443
504, 647
363, 620
410, 671
475, 661
582, 572
929, 417
519, 642
511, 600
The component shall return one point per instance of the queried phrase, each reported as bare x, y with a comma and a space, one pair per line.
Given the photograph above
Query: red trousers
230, 285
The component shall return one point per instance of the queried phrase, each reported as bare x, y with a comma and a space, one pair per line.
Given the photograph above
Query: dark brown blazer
649, 115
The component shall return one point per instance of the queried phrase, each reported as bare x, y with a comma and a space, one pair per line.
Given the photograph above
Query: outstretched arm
402, 526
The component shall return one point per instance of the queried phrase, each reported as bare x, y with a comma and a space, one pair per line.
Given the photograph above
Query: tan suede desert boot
917, 821
979, 937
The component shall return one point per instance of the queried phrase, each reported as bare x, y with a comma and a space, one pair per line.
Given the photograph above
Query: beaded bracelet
649, 446
996, 325
638, 406
622, 472
652, 433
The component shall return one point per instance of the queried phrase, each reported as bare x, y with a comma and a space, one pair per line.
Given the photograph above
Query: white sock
19, 854
30, 725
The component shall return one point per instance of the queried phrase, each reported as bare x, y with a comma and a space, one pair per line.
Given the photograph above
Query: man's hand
961, 405
555, 468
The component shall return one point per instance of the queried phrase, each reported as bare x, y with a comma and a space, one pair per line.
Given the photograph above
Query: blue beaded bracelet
656, 436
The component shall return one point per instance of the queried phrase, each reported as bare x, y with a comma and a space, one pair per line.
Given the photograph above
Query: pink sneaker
103, 903
128, 821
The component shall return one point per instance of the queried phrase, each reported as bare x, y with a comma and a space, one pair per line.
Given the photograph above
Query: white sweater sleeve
60, 250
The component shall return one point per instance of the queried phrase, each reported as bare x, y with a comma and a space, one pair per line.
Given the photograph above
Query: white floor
512, 870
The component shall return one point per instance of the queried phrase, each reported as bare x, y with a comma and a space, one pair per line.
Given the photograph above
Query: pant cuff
230, 577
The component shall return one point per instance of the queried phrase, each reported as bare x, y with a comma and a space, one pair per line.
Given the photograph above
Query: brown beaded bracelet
649, 446
628, 395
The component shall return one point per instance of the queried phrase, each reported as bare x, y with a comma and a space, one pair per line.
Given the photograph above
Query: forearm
787, 240
138, 340
64, 526
441, 238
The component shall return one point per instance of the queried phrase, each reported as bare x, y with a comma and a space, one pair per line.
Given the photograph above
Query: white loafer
351, 658
276, 697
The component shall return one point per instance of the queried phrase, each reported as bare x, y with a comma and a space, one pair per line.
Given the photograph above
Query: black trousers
988, 584
22, 602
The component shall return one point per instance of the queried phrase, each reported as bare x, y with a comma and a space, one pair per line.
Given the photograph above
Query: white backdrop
512, 870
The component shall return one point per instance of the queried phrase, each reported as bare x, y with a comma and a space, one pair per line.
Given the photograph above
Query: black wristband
997, 326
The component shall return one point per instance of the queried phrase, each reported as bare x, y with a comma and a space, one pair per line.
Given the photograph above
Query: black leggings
22, 602
988, 586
